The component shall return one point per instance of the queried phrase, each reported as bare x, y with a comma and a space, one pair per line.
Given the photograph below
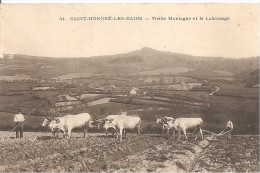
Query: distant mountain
145, 59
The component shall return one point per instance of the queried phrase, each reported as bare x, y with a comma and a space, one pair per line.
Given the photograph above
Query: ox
123, 122
54, 130
182, 124
166, 123
109, 125
69, 122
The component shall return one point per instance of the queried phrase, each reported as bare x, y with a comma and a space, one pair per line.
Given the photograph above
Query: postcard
139, 87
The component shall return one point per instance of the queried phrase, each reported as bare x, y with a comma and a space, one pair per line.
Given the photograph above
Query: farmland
146, 153
236, 90
233, 100
166, 71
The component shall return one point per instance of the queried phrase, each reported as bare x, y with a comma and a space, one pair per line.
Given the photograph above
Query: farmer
19, 119
229, 128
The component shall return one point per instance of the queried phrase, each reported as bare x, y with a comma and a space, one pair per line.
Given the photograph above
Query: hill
145, 59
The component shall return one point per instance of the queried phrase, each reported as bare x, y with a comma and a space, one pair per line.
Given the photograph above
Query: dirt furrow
170, 156
225, 155
97, 158
24, 149
145, 153
85, 159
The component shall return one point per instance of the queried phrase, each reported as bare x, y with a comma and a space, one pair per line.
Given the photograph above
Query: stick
225, 132
221, 132
29, 114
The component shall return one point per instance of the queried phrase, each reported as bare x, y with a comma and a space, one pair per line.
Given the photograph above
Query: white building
133, 91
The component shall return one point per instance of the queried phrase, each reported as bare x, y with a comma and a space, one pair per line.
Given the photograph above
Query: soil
39, 152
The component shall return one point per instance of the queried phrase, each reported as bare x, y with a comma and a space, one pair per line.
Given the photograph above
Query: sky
36, 29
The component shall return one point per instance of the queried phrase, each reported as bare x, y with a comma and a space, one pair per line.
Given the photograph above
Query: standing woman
19, 119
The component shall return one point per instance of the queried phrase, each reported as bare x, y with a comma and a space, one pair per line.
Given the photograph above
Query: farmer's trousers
229, 133
19, 130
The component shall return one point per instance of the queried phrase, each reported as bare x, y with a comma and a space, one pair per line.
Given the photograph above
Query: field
74, 75
232, 101
166, 79
16, 77
38, 152
236, 90
208, 73
166, 71
180, 86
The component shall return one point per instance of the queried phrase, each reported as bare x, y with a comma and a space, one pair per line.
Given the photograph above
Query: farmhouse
69, 103
66, 97
66, 102
133, 91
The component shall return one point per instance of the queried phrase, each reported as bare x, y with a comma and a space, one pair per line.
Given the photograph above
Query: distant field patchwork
165, 71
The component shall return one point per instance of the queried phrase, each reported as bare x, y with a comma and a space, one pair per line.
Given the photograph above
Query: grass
103, 110
137, 101
32, 123
236, 90
23, 102
93, 98
165, 80
167, 71
207, 73
16, 86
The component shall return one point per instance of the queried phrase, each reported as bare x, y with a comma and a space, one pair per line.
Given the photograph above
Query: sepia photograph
139, 87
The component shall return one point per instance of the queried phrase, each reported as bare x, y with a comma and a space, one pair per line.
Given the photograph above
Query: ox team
121, 123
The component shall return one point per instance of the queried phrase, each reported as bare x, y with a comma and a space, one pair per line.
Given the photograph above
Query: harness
164, 121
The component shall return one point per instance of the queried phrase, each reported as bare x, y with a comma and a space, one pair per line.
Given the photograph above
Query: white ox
108, 123
69, 122
182, 124
122, 122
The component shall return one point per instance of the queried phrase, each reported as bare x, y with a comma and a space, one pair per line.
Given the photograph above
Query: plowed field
38, 152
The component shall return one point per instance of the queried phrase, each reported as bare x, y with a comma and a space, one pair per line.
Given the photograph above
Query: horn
101, 120
57, 120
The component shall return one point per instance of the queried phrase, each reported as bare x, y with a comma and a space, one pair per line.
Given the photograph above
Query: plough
213, 136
